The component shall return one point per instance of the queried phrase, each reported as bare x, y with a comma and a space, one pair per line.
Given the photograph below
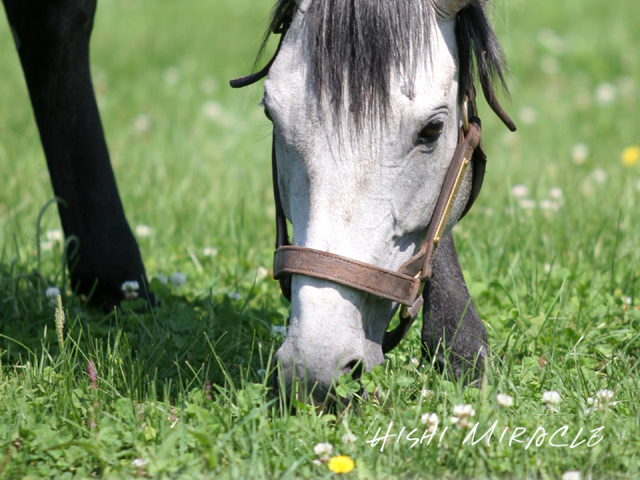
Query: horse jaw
368, 198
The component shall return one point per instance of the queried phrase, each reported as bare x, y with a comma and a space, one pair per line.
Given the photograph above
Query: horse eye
431, 132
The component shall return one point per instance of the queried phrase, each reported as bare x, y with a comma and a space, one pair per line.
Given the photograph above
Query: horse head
366, 103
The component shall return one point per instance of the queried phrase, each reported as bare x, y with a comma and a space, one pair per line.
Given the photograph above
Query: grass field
550, 253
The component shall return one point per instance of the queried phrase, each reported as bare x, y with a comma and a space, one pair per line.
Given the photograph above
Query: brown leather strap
346, 271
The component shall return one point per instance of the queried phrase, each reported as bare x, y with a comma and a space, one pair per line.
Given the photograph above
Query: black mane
355, 45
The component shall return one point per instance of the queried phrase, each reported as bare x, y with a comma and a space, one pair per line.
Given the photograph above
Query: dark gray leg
456, 337
52, 38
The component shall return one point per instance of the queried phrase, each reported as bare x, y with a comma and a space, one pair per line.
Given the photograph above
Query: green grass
183, 387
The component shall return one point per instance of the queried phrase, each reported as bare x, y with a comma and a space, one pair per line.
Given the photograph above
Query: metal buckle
465, 114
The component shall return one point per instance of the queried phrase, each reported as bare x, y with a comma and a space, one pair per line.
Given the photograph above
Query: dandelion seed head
52, 293
178, 279
210, 252
162, 278
234, 296
279, 330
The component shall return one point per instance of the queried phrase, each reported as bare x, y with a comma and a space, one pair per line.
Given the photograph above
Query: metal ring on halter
465, 114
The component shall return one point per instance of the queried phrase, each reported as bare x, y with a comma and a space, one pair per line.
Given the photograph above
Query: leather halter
404, 286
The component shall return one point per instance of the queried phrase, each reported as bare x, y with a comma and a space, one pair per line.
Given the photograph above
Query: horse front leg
452, 330
52, 38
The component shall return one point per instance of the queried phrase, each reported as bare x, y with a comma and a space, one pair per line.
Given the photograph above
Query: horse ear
448, 9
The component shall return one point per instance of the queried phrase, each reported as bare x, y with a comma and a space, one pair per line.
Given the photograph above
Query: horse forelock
355, 46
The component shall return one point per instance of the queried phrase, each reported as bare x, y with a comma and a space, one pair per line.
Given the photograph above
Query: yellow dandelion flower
631, 155
341, 464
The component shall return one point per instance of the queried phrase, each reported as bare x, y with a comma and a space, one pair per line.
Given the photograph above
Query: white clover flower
162, 278
528, 115
519, 191
234, 296
322, 449
210, 252
547, 204
172, 76
556, 193
605, 94
130, 289
54, 235
143, 231
551, 398
527, 203
279, 330
572, 475
426, 393
504, 400
142, 123
317, 462
431, 420
47, 245
547, 267
349, 438
600, 175
464, 411
261, 273
212, 110
601, 401
208, 85
178, 279
140, 462
604, 395
52, 294
415, 362
462, 415
579, 153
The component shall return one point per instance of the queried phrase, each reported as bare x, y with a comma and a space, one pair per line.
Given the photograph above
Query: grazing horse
372, 102
52, 39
